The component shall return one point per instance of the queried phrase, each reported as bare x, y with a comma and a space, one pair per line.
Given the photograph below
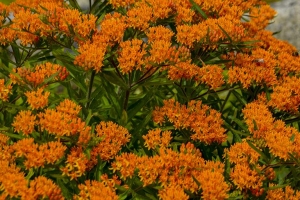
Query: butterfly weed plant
149, 99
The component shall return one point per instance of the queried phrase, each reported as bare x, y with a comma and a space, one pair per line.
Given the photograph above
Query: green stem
90, 3
90, 89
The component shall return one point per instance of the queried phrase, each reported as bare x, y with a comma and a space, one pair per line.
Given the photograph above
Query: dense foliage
148, 99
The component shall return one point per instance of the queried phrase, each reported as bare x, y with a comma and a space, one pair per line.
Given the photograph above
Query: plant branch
90, 89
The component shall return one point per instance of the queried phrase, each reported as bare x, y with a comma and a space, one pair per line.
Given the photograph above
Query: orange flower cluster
113, 137
27, 25
6, 153
39, 74
242, 153
174, 192
135, 19
286, 95
74, 21
259, 67
37, 99
261, 15
247, 179
263, 126
159, 33
50, 18
206, 127
211, 75
5, 90
76, 164
121, 3
96, 190
209, 31
91, 53
63, 121
280, 194
131, 55
12, 181
156, 138
288, 63
24, 122
69, 107
41, 187
37, 155
176, 170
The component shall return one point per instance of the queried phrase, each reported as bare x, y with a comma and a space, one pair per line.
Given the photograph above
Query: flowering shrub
149, 99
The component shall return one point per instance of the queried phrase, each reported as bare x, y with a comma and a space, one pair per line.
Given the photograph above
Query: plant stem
90, 89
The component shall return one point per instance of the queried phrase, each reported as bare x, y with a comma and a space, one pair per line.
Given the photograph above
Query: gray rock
287, 21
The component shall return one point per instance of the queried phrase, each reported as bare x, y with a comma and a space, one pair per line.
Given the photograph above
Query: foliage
183, 99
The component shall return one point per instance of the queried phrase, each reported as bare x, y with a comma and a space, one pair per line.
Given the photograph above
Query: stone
287, 21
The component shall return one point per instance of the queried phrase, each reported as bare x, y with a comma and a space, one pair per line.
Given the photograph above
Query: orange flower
85, 135
76, 163
36, 99
60, 124
38, 75
286, 96
184, 13
113, 138
12, 182
161, 9
258, 68
173, 192
211, 75
91, 56
41, 187
187, 35
284, 135
6, 152
280, 194
121, 3
131, 55
241, 153
68, 107
245, 178
81, 24
24, 122
213, 185
52, 151
258, 118
5, 90
260, 17
96, 190
112, 27
206, 127
160, 32
156, 138
37, 155
139, 16
126, 164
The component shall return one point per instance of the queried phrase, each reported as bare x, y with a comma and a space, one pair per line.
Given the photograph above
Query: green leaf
229, 38
197, 8
240, 123
75, 4
11, 135
138, 105
258, 151
124, 118
30, 174
196, 181
16, 53
112, 77
67, 194
239, 97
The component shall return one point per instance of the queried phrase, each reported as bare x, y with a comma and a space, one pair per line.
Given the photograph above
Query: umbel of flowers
147, 99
